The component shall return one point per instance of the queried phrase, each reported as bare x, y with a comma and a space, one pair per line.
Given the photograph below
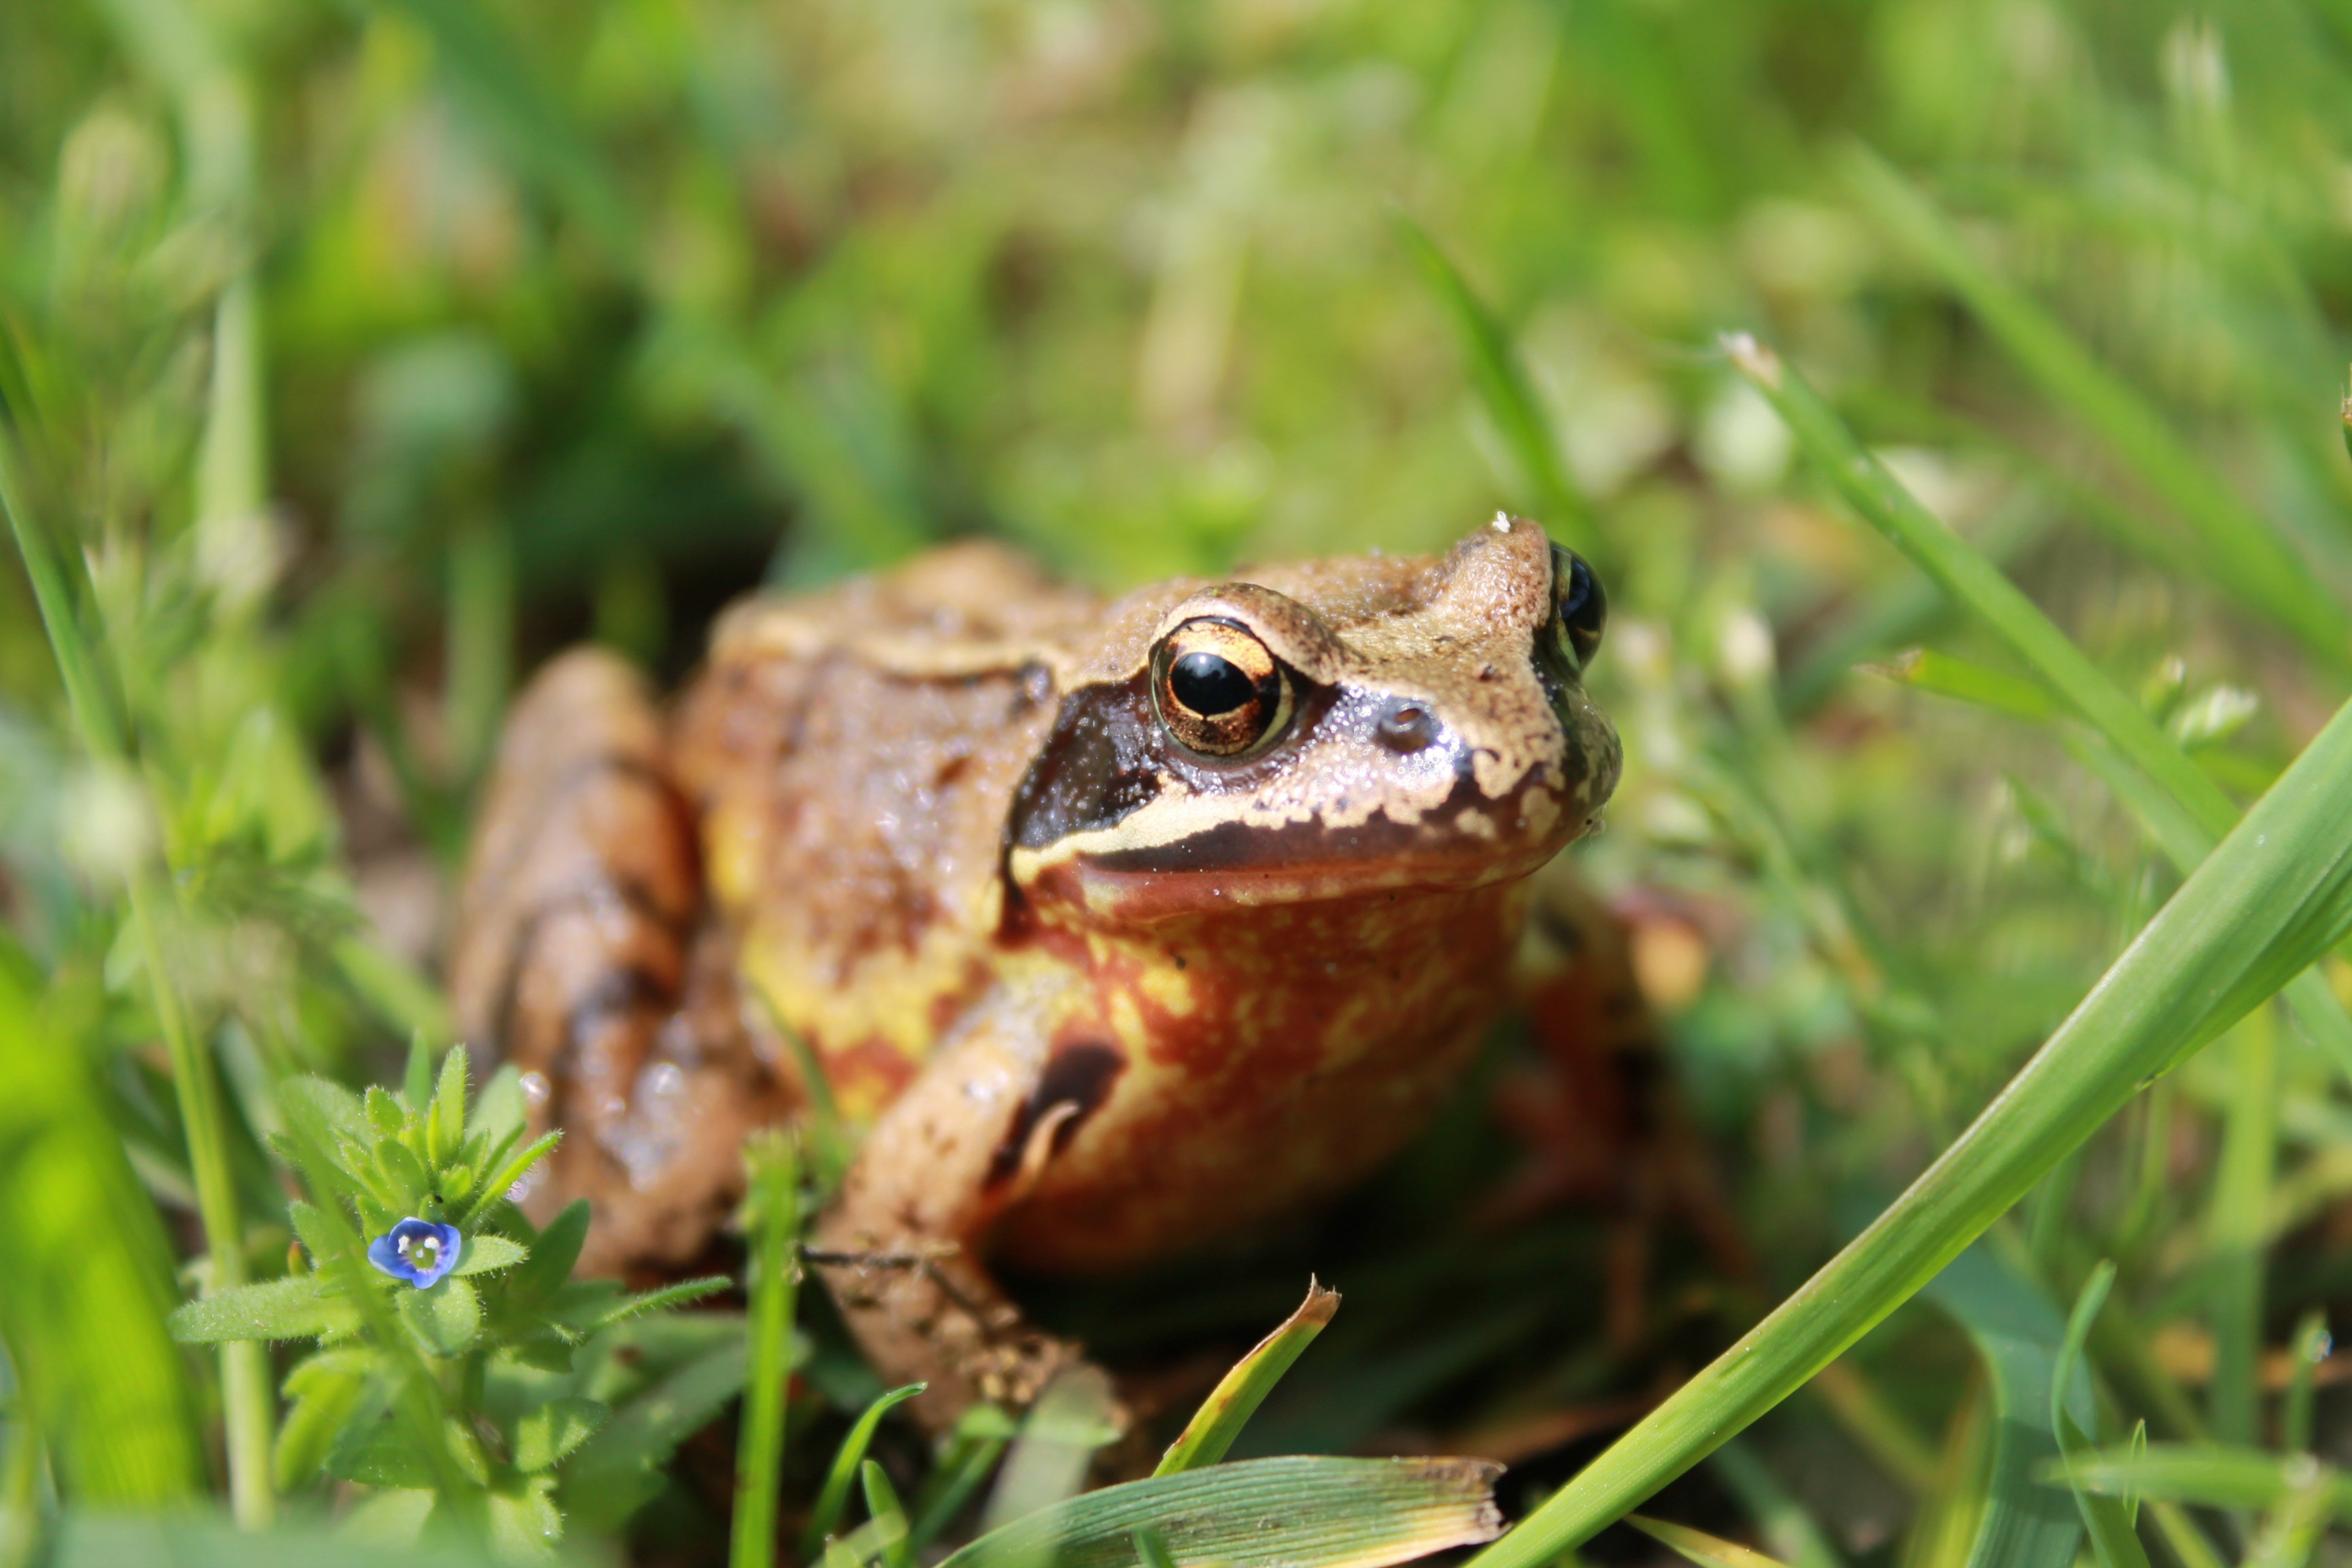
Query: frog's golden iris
1217, 688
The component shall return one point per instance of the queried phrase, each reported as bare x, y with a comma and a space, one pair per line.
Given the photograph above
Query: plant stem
772, 1209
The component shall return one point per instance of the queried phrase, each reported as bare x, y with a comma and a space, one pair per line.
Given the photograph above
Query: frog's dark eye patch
1217, 688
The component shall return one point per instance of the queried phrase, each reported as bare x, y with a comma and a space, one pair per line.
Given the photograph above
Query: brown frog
1117, 927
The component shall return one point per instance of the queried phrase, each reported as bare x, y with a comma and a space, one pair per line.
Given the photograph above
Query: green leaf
1697, 1546
416, 1083
486, 1253
552, 1253
382, 1458
2017, 1335
586, 1311
2268, 901
509, 1174
406, 1181
444, 1124
385, 1117
525, 1523
548, 1432
445, 1317
614, 1473
1230, 1404
834, 1497
324, 1116
323, 1394
1297, 1512
301, 1307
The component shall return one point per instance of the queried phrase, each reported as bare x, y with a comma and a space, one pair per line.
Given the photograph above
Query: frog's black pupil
1209, 685
1579, 588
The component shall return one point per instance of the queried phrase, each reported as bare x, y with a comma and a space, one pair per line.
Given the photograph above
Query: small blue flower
416, 1250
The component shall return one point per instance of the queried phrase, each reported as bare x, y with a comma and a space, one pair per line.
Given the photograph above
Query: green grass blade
1786, 1528
834, 1497
2275, 895
2203, 1475
2017, 1335
1979, 587
1697, 1546
887, 1514
1222, 1415
1924, 670
2108, 1519
2236, 1228
1500, 379
2244, 551
773, 1218
1297, 1512
89, 1278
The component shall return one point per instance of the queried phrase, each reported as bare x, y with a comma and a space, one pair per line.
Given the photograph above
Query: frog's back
850, 755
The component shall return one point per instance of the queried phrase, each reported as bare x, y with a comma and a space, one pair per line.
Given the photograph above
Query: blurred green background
359, 355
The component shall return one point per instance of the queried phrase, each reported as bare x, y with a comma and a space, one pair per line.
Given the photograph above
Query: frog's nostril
1407, 727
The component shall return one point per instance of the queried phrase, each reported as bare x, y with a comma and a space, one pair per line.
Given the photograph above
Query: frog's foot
923, 1313
581, 958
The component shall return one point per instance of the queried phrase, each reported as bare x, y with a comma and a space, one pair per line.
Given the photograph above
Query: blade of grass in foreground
89, 1278
1979, 586
2275, 896
2243, 549
1299, 1511
1240, 1391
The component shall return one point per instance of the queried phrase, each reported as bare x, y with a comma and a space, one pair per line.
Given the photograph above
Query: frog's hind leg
582, 956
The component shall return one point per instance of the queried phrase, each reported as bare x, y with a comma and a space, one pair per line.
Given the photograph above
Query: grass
353, 359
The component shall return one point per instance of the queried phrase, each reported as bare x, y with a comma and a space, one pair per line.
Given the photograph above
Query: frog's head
1326, 730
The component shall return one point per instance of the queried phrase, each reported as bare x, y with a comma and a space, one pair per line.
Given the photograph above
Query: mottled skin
1112, 960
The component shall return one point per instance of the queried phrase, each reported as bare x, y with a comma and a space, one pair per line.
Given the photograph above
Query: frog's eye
1218, 689
1580, 609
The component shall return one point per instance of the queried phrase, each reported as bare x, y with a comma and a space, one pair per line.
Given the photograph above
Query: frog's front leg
900, 1247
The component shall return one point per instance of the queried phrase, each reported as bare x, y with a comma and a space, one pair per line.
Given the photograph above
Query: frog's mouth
1468, 839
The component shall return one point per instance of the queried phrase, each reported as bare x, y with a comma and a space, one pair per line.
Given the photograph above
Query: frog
1117, 927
